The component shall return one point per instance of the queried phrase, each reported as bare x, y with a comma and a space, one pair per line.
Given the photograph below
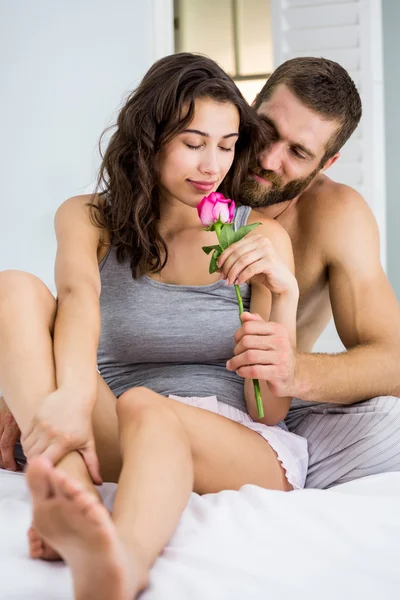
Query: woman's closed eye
201, 145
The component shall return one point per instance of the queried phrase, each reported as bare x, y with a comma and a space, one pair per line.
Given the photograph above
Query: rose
216, 208
217, 214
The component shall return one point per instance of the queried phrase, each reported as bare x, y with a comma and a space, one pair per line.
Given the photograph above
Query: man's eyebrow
304, 149
208, 135
270, 122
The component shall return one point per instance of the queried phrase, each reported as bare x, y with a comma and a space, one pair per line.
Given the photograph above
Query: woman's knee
140, 402
19, 287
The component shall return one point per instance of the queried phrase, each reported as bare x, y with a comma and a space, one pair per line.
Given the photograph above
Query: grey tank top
173, 339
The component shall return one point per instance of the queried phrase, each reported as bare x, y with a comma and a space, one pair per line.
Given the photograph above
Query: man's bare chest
311, 272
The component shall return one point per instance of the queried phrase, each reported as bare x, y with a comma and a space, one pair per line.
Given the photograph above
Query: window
235, 33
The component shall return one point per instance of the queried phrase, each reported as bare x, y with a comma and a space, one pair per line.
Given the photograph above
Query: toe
32, 534
65, 486
84, 500
97, 513
38, 477
36, 550
49, 554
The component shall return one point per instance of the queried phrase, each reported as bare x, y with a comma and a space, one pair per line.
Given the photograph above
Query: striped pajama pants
346, 442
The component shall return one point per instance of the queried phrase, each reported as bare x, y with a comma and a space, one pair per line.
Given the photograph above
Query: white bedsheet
252, 544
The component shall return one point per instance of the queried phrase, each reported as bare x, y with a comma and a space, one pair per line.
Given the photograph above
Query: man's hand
61, 426
264, 351
9, 436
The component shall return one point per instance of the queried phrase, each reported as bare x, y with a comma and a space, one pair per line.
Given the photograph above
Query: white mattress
252, 544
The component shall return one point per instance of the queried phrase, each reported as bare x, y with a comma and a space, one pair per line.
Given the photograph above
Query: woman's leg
27, 375
168, 450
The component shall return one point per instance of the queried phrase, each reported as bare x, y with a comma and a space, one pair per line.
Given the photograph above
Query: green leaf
208, 249
213, 263
242, 231
227, 236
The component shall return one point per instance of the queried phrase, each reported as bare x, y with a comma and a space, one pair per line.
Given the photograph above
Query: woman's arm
264, 258
63, 420
77, 324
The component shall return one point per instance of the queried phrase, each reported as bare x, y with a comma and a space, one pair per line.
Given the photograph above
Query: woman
169, 411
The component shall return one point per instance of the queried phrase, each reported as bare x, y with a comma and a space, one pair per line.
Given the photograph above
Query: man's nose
271, 158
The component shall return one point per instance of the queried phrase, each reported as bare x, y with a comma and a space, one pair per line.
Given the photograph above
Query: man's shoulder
339, 220
327, 202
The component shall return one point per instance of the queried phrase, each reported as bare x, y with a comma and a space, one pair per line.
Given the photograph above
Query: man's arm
365, 310
9, 436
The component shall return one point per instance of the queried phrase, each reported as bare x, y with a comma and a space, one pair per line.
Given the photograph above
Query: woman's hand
60, 426
253, 259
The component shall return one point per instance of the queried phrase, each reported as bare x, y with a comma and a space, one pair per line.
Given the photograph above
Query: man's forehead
296, 123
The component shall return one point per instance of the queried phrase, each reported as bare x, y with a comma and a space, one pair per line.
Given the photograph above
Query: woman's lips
203, 186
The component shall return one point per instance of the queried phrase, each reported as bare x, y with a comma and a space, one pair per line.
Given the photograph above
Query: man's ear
254, 101
331, 161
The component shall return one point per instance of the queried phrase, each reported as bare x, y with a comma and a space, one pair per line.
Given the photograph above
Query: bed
251, 544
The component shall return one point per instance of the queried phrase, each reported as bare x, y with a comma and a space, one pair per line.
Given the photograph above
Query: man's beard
255, 194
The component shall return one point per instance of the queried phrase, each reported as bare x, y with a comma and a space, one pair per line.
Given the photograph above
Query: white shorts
290, 448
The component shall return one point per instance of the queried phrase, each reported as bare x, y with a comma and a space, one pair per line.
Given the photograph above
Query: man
313, 107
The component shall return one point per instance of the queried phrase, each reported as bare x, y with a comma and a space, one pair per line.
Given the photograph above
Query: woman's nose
210, 164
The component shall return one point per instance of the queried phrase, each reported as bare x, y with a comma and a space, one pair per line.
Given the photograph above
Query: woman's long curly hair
128, 201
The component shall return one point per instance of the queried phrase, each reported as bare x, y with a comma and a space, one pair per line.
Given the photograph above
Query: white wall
65, 67
391, 45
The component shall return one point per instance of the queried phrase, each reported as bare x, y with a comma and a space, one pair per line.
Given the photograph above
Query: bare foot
79, 528
38, 548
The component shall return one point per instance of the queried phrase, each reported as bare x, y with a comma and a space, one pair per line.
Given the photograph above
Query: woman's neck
176, 217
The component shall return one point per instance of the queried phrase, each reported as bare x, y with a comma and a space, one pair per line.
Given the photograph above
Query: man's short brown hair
323, 86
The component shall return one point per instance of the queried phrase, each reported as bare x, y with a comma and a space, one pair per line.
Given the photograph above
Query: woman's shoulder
273, 230
80, 203
83, 212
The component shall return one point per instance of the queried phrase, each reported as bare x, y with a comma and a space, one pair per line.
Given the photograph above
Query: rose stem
256, 383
